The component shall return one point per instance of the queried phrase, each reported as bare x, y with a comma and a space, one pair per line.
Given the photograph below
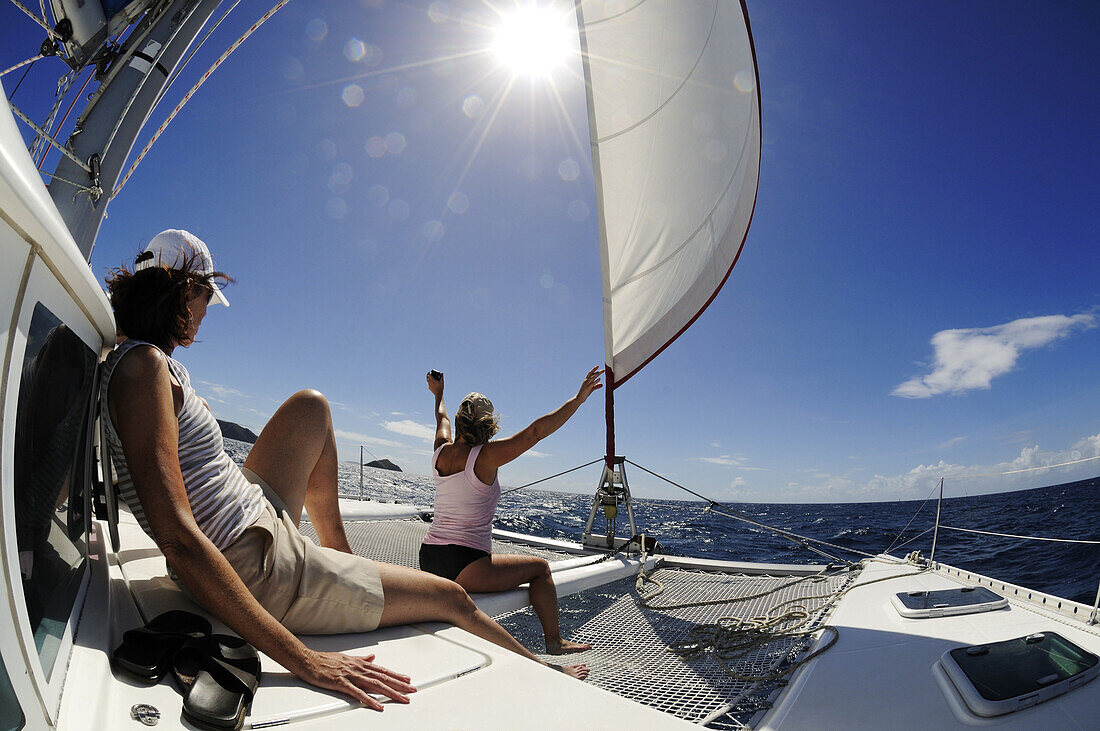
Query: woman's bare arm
501, 452
149, 431
442, 421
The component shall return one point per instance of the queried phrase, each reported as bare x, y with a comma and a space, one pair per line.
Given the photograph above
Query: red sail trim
612, 382
609, 414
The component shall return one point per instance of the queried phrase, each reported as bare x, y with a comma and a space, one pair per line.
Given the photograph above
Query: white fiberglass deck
884, 671
464, 682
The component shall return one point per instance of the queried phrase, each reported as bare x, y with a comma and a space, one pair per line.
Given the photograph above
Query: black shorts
449, 560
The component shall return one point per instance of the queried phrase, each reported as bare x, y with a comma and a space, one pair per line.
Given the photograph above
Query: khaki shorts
308, 588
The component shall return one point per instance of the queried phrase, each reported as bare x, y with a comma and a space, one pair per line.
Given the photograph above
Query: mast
106, 131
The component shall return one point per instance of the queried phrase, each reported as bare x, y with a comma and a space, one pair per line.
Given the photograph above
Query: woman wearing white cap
230, 534
459, 546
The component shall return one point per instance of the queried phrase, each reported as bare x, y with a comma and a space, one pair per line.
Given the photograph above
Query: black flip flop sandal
146, 653
219, 676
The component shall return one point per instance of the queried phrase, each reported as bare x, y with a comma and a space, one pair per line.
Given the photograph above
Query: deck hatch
1003, 677
947, 602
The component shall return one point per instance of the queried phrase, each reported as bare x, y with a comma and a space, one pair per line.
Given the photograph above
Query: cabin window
11, 715
51, 423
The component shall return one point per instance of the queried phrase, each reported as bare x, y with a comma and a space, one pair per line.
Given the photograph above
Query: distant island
383, 464
236, 431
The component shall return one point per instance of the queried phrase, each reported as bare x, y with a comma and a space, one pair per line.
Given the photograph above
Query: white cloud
950, 443
1032, 467
349, 437
410, 428
971, 358
738, 482
533, 453
729, 460
725, 459
220, 392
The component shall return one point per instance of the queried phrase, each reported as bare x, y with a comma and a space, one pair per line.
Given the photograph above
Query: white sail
674, 117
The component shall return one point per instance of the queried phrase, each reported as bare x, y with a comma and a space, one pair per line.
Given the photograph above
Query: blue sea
1071, 510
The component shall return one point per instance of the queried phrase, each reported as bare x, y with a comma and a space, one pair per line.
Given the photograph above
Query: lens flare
533, 41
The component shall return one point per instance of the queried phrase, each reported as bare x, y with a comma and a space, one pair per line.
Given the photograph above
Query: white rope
1026, 469
64, 150
189, 94
93, 190
21, 64
187, 59
729, 639
31, 14
1012, 535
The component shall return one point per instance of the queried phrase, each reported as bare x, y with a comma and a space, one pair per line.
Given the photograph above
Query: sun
533, 41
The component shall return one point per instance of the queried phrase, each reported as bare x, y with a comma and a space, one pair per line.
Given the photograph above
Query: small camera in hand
437, 375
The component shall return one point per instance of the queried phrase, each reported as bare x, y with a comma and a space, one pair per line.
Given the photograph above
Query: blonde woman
458, 546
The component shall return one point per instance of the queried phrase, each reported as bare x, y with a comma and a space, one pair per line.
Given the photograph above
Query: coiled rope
731, 639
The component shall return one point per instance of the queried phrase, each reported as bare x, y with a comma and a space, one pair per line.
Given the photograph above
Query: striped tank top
222, 500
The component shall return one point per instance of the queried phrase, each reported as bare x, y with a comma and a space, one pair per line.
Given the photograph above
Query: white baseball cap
174, 248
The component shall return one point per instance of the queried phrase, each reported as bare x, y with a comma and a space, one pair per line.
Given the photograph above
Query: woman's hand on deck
355, 677
591, 383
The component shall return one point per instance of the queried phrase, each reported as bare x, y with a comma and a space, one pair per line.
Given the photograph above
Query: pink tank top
464, 507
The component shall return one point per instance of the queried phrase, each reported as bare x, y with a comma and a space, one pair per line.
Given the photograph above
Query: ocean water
1071, 510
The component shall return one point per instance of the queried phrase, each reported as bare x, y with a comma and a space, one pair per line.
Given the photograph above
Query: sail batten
674, 118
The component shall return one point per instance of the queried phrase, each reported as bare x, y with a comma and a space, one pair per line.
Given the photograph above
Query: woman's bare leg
417, 596
295, 454
503, 572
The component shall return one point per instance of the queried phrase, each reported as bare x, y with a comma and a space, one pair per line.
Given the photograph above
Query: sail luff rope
1029, 538
189, 94
64, 150
566, 472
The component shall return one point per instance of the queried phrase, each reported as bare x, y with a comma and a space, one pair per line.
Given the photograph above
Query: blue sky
917, 294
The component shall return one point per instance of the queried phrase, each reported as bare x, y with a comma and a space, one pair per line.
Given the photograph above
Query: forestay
674, 117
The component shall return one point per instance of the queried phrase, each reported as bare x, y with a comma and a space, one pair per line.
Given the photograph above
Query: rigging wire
20, 82
1025, 469
899, 535
63, 85
187, 59
64, 150
1028, 538
791, 536
574, 469
66, 116
191, 92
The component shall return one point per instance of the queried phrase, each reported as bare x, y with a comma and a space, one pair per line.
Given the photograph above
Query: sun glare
533, 41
